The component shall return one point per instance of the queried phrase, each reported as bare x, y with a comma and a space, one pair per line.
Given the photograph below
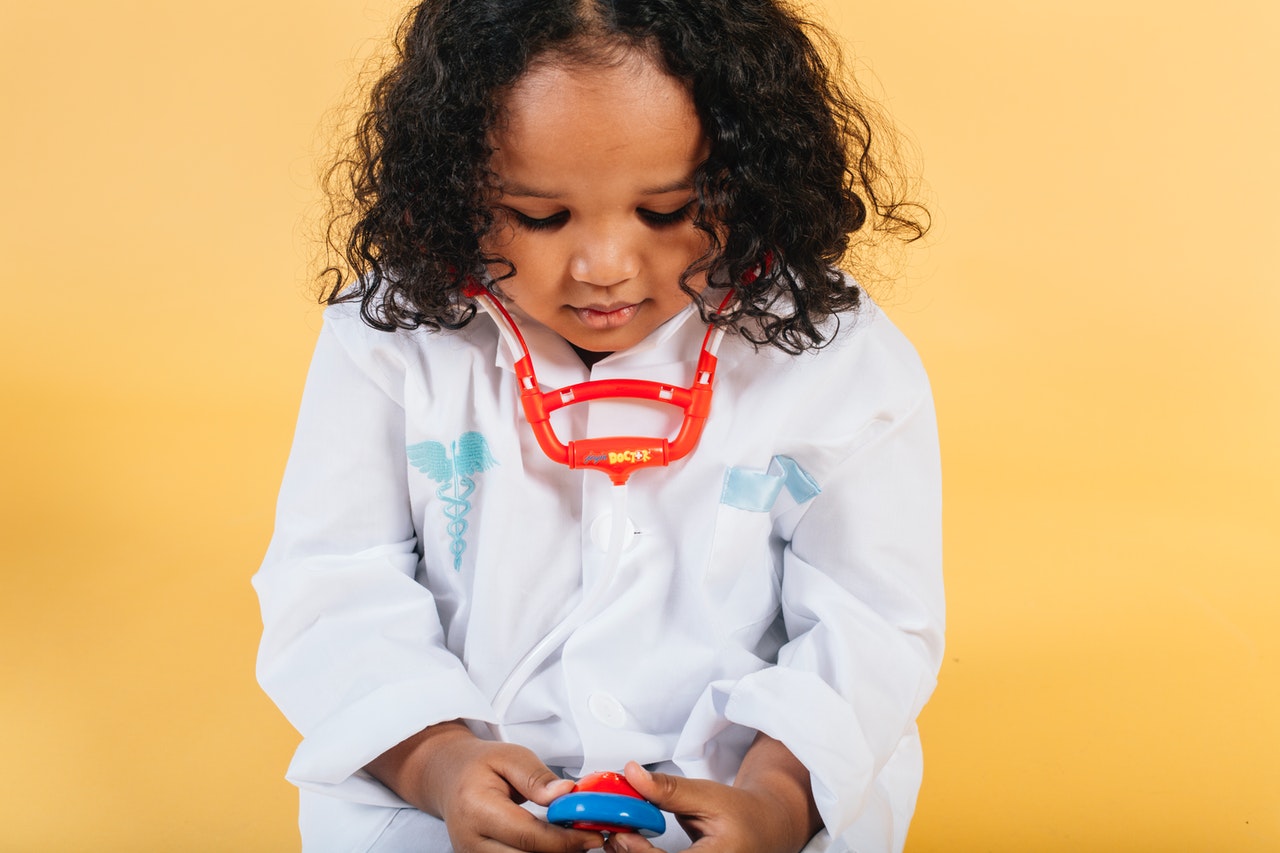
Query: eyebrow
518, 190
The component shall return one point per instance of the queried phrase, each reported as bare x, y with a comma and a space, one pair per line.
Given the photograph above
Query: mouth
605, 317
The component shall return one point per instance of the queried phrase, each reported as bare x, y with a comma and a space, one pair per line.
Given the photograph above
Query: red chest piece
606, 802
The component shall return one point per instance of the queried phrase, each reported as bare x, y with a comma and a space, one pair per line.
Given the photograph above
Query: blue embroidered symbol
470, 456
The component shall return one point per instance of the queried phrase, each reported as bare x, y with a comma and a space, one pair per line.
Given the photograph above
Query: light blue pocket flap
801, 486
757, 491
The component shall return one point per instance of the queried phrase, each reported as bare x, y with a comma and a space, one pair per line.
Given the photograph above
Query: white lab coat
785, 577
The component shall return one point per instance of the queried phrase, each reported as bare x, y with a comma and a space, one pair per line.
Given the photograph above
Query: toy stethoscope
617, 456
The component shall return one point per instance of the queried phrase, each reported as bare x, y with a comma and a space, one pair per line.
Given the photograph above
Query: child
457, 622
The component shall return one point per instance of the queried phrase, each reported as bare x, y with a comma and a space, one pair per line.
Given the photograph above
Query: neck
589, 357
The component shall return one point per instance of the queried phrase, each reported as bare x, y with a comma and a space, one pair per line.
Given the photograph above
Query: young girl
460, 616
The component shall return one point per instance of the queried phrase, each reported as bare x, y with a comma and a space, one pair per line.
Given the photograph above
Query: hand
476, 787
769, 808
738, 819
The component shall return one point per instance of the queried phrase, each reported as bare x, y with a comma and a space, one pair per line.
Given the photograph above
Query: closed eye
655, 218
663, 220
546, 223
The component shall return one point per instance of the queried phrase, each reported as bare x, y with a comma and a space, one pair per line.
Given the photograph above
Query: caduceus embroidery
470, 456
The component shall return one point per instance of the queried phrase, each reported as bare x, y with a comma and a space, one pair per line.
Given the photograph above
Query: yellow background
1097, 308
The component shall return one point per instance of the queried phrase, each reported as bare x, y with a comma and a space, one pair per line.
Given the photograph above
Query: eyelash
662, 220
656, 220
547, 223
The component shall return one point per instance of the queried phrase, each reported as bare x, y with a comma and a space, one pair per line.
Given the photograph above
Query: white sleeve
352, 649
862, 602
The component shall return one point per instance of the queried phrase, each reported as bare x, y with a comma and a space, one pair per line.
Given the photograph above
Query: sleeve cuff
727, 716
826, 736
331, 758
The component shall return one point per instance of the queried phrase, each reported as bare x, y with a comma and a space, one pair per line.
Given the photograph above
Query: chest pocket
744, 577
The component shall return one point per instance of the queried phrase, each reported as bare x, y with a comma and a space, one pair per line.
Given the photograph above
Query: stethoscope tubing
617, 456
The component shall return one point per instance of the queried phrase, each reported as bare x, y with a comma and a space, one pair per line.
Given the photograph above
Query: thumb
532, 780
674, 794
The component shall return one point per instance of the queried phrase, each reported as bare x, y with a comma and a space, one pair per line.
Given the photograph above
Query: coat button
607, 710
603, 526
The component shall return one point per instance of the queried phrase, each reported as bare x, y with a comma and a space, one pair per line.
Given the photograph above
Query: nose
604, 258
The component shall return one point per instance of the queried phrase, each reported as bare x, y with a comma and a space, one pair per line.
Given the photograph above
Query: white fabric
818, 621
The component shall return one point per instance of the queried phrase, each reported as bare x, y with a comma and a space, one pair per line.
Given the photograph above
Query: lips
604, 317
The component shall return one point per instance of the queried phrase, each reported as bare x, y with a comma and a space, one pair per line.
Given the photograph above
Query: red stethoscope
617, 456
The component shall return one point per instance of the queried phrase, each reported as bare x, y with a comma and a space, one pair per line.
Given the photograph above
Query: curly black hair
791, 173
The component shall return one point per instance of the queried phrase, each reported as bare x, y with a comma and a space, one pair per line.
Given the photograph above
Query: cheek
688, 247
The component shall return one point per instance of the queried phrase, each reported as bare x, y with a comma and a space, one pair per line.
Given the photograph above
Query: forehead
565, 125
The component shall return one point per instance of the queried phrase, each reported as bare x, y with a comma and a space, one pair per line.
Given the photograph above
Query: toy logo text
626, 456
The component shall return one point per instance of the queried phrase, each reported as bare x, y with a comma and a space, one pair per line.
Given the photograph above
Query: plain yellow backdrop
1097, 307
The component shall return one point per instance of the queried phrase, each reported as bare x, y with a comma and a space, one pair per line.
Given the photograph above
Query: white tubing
716, 337
588, 605
509, 335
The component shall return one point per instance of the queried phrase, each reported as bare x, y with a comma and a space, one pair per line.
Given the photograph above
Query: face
595, 199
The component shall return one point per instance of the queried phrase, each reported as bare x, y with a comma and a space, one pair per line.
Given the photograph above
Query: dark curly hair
791, 172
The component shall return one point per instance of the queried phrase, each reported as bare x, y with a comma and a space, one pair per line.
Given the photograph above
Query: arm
863, 608
861, 601
352, 650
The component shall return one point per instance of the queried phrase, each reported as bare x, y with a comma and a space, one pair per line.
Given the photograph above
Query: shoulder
866, 360
868, 347
825, 405
864, 391
386, 357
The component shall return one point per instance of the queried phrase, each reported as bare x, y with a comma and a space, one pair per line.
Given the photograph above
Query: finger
675, 794
487, 818
627, 842
530, 778
535, 836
